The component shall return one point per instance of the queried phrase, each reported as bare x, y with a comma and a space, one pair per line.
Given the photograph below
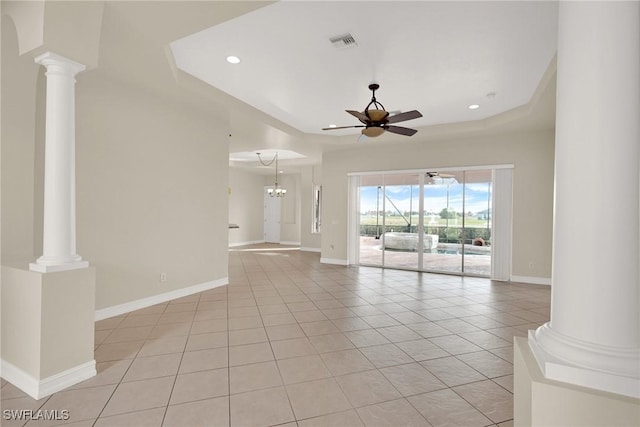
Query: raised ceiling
436, 57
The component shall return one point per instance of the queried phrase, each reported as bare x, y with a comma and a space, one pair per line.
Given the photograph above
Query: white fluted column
59, 228
593, 338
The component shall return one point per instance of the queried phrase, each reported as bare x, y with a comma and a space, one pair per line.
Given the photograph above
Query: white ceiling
436, 57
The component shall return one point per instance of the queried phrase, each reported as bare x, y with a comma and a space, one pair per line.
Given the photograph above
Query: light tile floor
292, 342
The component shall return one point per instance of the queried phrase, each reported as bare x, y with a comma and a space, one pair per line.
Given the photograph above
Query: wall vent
343, 41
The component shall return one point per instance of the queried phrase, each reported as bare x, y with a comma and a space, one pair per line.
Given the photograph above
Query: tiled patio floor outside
293, 342
474, 264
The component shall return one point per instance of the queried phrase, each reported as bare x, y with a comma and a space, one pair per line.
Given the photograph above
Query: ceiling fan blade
400, 130
358, 115
344, 127
407, 115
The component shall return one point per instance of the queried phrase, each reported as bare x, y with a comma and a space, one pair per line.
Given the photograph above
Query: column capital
51, 59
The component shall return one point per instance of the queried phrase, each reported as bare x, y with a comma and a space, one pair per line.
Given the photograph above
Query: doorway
272, 207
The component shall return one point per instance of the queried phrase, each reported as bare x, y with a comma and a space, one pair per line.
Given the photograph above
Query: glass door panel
444, 221
371, 202
477, 201
402, 204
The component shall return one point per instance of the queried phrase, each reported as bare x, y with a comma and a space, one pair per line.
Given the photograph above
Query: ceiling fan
439, 175
440, 178
376, 120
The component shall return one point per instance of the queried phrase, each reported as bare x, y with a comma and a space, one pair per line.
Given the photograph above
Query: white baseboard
127, 307
45, 387
311, 250
253, 242
333, 261
290, 243
531, 280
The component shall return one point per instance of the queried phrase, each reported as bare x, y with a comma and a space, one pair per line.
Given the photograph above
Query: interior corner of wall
28, 19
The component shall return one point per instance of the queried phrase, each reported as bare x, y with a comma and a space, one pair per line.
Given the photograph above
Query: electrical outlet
163, 277
531, 265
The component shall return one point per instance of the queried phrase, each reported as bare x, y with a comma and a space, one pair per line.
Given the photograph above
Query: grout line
275, 360
184, 349
228, 350
128, 368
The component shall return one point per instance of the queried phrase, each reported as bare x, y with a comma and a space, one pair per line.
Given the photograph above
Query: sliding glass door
401, 218
436, 221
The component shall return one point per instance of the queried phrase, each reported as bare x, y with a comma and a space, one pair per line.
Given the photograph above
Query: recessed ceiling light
233, 59
333, 126
474, 107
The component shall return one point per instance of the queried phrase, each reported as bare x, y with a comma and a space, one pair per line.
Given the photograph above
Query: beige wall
19, 81
531, 154
151, 182
67, 313
152, 178
290, 209
22, 319
246, 206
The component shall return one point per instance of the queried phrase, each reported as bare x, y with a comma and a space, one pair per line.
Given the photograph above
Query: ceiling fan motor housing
377, 115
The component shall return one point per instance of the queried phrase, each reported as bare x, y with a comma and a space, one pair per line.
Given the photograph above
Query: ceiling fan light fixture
373, 131
377, 115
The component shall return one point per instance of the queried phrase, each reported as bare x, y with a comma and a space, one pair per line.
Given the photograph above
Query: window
430, 220
317, 209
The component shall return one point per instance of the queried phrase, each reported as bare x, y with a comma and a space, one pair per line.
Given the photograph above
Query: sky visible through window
477, 197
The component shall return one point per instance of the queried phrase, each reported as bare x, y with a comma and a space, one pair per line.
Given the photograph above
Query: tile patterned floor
293, 342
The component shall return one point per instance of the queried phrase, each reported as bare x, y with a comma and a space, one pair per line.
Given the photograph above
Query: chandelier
276, 191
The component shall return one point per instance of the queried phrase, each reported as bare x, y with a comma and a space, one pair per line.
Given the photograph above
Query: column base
540, 402
562, 358
48, 329
51, 268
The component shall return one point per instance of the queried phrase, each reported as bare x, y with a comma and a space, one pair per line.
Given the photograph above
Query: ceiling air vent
343, 41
